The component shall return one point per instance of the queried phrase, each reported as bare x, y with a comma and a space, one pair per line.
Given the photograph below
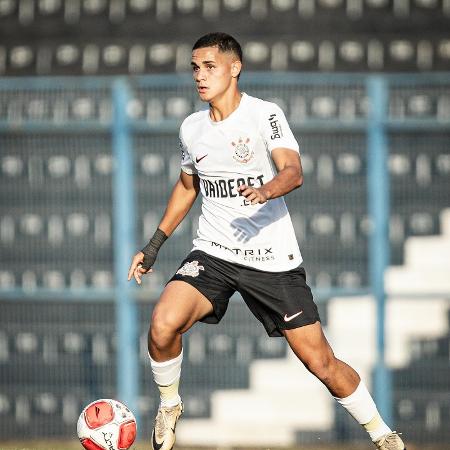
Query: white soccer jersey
225, 155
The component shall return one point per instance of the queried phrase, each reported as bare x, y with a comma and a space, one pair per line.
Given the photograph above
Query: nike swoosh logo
197, 160
155, 445
289, 318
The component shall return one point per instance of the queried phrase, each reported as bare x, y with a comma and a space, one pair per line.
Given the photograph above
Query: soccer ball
106, 424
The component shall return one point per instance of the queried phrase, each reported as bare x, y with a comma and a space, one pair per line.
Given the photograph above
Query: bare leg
179, 307
312, 348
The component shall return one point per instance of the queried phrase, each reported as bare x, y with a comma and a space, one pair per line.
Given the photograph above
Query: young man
242, 156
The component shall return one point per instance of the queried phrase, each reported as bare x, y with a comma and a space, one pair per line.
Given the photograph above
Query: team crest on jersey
190, 269
242, 152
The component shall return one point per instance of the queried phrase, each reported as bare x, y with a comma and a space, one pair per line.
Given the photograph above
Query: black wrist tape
150, 251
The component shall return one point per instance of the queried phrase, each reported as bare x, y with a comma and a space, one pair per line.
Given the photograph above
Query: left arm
288, 178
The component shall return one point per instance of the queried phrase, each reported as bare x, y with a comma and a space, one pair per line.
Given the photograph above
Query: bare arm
181, 199
288, 178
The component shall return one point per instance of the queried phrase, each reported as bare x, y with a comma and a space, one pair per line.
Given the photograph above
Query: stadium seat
26, 342
303, 54
12, 166
257, 53
7, 279
45, 403
401, 53
420, 105
323, 107
102, 279
21, 57
178, 107
7, 8
53, 279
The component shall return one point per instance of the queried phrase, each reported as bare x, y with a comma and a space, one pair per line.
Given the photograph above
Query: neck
221, 108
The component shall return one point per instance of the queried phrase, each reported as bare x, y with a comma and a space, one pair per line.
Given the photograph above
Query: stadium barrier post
378, 209
127, 323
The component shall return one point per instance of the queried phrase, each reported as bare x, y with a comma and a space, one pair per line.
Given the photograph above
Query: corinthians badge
190, 269
242, 152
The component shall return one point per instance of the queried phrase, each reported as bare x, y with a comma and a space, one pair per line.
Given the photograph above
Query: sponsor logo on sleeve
275, 125
183, 154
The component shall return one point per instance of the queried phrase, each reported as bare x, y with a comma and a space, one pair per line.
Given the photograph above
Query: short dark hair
223, 41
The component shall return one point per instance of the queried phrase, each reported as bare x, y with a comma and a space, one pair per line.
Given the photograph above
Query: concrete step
199, 432
407, 320
418, 280
430, 251
310, 410
270, 375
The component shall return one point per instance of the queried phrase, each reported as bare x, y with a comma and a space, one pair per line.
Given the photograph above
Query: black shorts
279, 300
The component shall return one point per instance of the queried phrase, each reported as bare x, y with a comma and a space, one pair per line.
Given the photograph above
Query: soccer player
243, 158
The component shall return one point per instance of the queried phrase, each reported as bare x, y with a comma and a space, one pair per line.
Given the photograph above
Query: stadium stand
56, 37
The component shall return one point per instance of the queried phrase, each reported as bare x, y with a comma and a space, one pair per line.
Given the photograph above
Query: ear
236, 67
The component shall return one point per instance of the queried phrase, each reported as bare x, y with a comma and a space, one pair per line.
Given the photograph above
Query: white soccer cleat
163, 435
390, 441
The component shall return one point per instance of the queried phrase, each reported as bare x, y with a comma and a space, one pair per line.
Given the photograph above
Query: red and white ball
106, 424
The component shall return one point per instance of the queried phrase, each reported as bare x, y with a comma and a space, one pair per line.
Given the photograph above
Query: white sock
362, 408
167, 376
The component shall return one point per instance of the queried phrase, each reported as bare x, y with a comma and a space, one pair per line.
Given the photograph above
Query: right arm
181, 199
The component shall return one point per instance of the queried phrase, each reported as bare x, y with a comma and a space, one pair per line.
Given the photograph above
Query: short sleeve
187, 165
275, 129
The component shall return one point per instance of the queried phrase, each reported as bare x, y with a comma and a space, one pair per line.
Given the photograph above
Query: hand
252, 194
136, 269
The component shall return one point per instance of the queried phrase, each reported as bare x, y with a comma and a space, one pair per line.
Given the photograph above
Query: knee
163, 328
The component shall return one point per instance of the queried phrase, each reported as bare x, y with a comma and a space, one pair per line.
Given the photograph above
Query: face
214, 72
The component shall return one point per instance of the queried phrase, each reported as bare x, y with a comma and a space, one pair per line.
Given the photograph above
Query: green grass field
75, 445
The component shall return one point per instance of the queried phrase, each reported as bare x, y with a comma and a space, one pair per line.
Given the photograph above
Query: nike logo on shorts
289, 318
197, 160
